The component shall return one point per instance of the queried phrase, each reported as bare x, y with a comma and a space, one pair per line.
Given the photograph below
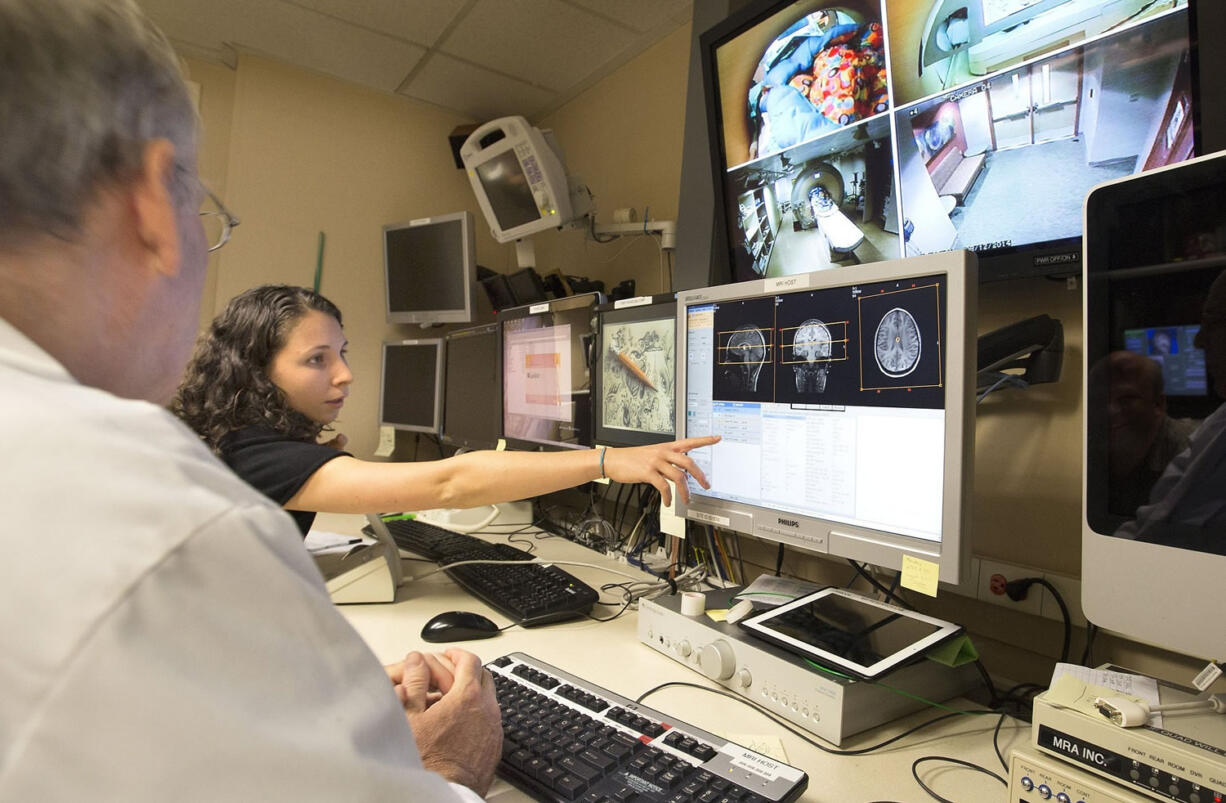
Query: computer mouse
458, 626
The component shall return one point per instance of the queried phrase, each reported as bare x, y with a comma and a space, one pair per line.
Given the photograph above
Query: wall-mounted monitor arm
1034, 345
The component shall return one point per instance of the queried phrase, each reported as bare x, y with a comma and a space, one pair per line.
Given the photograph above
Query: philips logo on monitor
789, 523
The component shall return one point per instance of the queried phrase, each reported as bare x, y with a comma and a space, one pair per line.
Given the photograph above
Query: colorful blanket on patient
848, 78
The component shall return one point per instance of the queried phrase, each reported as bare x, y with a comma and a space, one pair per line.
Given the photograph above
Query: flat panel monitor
845, 403
430, 269
1155, 378
846, 133
472, 395
636, 371
547, 373
411, 390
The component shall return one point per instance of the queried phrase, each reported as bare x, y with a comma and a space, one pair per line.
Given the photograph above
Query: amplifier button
684, 649
744, 678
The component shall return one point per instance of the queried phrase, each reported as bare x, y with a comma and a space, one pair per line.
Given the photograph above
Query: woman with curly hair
270, 375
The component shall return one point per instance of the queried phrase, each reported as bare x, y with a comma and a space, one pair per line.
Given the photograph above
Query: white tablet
850, 633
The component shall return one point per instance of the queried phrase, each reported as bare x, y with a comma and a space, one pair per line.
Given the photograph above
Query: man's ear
154, 208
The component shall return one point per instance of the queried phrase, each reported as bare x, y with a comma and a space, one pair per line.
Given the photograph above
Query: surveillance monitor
636, 371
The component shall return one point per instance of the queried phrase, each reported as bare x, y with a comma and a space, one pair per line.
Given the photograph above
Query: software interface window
830, 403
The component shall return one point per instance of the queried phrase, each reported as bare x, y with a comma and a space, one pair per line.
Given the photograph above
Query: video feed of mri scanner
867, 130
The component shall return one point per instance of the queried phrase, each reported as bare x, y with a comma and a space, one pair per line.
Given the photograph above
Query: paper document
321, 542
768, 590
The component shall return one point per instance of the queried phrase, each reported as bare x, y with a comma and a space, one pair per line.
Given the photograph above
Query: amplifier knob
684, 649
717, 660
744, 678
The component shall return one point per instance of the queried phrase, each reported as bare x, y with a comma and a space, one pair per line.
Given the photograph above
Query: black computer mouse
458, 626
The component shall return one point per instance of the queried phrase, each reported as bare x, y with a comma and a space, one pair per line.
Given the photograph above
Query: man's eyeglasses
217, 220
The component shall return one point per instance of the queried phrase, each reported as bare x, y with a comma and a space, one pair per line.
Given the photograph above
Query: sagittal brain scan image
896, 344
743, 357
811, 346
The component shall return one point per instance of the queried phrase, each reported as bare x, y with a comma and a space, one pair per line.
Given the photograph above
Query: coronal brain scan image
743, 357
811, 344
896, 345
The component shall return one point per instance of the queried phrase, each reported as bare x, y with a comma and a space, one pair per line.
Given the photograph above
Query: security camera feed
1008, 161
823, 399
546, 379
1174, 350
638, 368
867, 130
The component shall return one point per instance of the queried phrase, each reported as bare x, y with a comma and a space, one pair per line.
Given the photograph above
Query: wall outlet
992, 578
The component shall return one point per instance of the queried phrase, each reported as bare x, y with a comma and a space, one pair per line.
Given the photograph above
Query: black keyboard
565, 739
531, 595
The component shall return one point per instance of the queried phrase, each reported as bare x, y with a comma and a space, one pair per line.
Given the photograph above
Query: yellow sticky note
670, 522
717, 614
920, 575
502, 445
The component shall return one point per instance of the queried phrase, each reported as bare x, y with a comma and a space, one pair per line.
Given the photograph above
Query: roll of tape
693, 603
627, 215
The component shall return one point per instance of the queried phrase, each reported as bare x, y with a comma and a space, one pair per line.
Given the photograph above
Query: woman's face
311, 369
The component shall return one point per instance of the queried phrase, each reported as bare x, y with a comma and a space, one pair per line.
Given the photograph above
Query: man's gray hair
84, 86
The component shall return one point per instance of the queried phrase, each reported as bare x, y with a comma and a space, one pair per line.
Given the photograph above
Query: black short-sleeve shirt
275, 465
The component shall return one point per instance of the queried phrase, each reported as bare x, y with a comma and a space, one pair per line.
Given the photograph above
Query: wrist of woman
603, 450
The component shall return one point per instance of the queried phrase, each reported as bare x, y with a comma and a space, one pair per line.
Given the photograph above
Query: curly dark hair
226, 387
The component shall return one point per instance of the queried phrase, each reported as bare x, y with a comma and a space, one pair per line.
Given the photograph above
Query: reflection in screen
859, 633
508, 192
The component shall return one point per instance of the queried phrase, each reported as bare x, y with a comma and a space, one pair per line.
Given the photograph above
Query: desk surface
610, 655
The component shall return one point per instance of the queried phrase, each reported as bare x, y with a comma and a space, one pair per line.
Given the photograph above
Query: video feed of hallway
1007, 162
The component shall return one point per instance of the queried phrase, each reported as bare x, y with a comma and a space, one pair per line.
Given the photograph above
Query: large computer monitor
1154, 526
518, 177
411, 385
430, 269
472, 395
995, 121
635, 372
845, 403
547, 373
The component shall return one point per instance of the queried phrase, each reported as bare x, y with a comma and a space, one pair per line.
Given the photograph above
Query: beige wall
309, 154
623, 138
302, 154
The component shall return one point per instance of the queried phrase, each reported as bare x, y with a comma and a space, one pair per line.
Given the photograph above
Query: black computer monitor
472, 396
546, 373
410, 396
430, 269
635, 375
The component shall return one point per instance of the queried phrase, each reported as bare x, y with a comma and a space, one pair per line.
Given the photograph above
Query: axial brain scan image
896, 344
811, 343
745, 354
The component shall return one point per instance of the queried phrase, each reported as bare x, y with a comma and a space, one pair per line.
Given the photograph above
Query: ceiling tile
472, 90
508, 36
294, 34
420, 21
642, 15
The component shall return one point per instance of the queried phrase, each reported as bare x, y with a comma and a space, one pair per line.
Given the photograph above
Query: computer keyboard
531, 595
565, 739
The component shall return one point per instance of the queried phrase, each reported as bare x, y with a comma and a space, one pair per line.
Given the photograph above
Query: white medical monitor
1154, 525
411, 391
430, 269
845, 403
518, 177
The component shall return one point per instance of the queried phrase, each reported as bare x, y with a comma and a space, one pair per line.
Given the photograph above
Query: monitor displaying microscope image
635, 372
